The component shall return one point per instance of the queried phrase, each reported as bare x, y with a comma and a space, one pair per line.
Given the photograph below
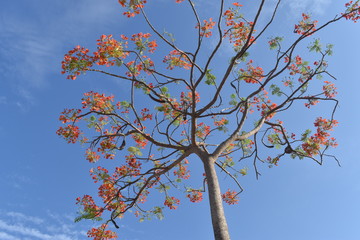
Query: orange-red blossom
321, 138
230, 197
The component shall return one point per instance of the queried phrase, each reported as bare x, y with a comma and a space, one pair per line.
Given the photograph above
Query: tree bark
220, 227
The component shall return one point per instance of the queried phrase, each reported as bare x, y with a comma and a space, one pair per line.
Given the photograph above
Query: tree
164, 122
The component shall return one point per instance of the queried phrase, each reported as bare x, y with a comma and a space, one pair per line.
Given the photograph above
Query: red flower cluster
97, 102
305, 26
252, 74
141, 41
91, 156
76, 61
182, 171
109, 51
321, 138
239, 29
140, 140
329, 89
221, 122
70, 115
133, 164
206, 28
133, 6
187, 99
266, 107
89, 206
230, 197
176, 59
70, 132
352, 11
195, 196
202, 130
101, 234
171, 201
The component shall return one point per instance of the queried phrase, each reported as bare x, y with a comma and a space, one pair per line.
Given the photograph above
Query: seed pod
288, 149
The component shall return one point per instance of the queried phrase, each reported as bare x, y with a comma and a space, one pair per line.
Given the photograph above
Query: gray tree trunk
219, 223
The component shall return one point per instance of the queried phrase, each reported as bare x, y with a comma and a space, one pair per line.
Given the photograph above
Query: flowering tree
178, 106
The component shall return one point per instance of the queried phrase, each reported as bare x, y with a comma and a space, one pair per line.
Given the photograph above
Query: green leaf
118, 62
170, 35
87, 215
305, 135
223, 128
160, 109
243, 171
231, 164
162, 188
244, 56
275, 42
315, 46
319, 76
210, 78
275, 90
304, 88
125, 104
158, 213
135, 150
233, 100
329, 50
273, 45
164, 90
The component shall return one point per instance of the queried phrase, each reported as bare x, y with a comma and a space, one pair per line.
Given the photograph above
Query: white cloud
64, 223
5, 236
18, 226
22, 217
27, 54
26, 231
32, 46
312, 6
16, 180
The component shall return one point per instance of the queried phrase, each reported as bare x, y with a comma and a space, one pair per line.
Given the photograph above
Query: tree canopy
183, 106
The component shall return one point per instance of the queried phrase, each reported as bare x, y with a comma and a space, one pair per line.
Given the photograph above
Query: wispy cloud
30, 232
24, 218
18, 226
26, 55
32, 44
6, 236
312, 6
15, 180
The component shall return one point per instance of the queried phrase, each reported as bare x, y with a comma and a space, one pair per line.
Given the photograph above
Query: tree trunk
219, 223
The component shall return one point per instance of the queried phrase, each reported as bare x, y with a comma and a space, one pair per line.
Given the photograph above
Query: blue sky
41, 175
